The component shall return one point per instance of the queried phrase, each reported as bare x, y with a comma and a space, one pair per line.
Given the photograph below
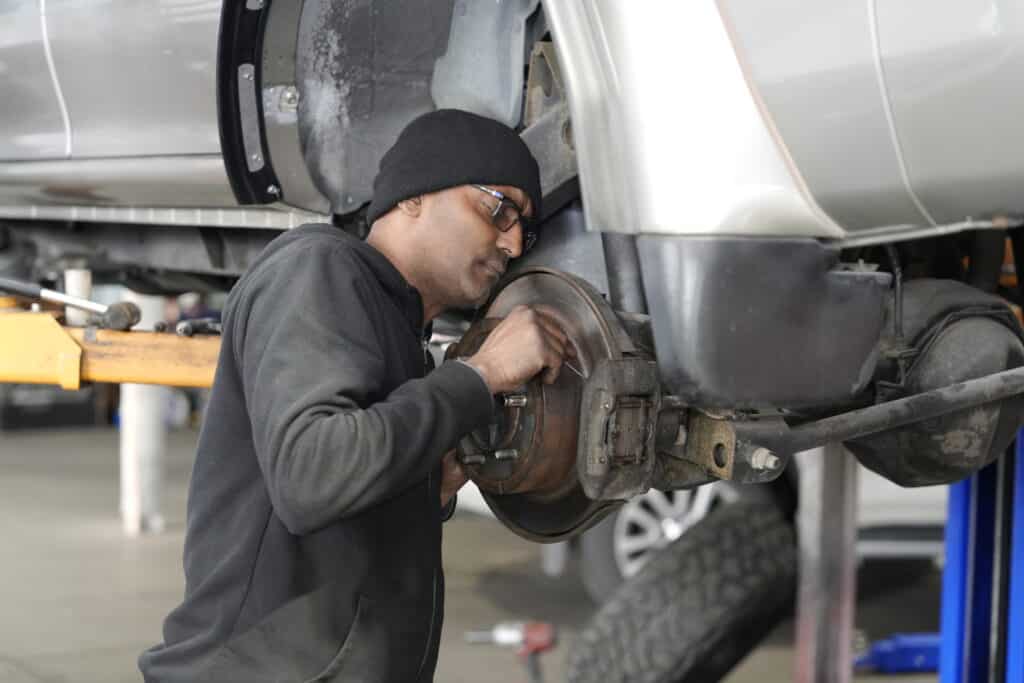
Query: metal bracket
716, 448
250, 113
711, 444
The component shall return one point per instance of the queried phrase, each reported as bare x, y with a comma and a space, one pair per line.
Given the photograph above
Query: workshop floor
80, 601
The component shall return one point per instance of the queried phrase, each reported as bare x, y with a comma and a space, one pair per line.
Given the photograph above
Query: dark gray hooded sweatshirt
313, 547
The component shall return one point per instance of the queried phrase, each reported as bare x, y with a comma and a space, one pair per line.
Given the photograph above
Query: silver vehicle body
795, 117
790, 119
110, 115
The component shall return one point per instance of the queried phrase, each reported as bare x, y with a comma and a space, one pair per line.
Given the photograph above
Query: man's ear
412, 206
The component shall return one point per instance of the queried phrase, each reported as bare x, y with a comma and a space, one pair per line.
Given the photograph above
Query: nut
515, 401
764, 459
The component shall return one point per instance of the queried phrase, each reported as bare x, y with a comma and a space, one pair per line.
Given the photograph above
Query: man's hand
452, 477
526, 342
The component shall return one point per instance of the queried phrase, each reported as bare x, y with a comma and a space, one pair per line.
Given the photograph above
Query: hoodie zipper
425, 342
430, 631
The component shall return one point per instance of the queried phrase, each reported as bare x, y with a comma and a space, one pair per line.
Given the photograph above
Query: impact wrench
532, 638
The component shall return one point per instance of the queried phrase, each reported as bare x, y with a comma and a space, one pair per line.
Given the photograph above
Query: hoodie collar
407, 296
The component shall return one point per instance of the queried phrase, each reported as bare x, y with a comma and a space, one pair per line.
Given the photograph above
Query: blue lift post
1015, 627
983, 580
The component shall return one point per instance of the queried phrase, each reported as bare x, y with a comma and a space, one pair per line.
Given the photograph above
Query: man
313, 547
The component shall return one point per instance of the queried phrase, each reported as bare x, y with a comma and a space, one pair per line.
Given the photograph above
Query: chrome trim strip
56, 81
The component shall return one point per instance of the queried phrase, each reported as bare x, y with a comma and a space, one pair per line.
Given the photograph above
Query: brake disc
525, 461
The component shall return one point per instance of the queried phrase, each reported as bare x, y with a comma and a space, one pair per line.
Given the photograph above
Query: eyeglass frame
529, 236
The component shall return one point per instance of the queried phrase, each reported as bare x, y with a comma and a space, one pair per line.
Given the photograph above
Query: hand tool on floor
533, 638
120, 316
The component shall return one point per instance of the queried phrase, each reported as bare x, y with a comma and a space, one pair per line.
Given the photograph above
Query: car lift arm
36, 349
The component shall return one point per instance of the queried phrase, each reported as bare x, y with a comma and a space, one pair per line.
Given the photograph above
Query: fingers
553, 359
550, 375
456, 476
451, 471
530, 340
555, 342
552, 329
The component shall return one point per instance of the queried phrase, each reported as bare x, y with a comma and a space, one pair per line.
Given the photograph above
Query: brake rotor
524, 462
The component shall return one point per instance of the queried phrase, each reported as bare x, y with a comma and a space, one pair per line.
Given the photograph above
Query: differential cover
525, 461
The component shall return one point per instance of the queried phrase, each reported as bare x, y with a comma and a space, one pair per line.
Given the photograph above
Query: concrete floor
80, 601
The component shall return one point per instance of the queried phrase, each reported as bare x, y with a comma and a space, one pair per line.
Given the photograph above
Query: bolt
506, 454
247, 75
515, 401
763, 459
289, 98
273, 190
256, 158
607, 406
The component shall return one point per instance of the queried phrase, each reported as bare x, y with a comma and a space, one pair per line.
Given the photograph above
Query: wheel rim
650, 522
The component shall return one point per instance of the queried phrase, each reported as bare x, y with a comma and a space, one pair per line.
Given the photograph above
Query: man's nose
511, 241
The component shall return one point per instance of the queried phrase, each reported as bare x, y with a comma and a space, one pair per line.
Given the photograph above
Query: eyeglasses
506, 214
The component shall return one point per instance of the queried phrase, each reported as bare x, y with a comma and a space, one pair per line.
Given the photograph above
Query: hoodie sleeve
329, 443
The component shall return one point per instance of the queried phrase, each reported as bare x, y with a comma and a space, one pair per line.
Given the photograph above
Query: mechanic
313, 542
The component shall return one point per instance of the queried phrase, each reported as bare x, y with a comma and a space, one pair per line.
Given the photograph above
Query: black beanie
447, 148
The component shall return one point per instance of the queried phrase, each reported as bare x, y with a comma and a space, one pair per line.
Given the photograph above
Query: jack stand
827, 532
983, 579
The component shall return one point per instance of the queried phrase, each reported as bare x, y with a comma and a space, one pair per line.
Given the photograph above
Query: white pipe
143, 440
77, 283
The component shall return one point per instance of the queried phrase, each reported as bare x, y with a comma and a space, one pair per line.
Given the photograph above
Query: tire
698, 606
605, 558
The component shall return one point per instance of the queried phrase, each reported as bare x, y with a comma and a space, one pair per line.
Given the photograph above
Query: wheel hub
525, 461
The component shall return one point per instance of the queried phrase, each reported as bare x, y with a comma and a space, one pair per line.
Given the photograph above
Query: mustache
499, 262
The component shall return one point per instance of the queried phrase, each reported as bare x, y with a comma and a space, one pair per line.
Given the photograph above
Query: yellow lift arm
36, 349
